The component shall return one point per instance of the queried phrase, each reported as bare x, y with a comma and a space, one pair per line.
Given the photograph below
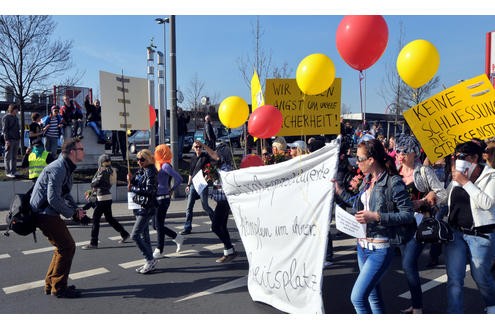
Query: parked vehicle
199, 135
234, 138
141, 140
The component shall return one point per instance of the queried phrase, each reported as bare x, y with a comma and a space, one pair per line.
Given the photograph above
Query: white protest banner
347, 223
199, 182
113, 91
282, 212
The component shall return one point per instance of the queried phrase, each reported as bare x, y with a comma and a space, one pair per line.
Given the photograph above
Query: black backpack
20, 218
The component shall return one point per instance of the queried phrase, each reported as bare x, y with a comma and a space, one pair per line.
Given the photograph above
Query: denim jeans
366, 295
51, 145
410, 255
99, 132
191, 199
478, 252
159, 223
141, 231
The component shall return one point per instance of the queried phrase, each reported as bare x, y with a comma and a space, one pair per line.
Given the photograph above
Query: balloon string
363, 114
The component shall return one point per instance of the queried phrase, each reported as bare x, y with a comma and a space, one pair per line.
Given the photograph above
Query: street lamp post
162, 93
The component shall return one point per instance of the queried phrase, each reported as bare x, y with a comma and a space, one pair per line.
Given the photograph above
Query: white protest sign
347, 223
113, 91
130, 202
282, 212
199, 182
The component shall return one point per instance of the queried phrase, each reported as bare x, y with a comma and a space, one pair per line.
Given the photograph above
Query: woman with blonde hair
143, 185
163, 157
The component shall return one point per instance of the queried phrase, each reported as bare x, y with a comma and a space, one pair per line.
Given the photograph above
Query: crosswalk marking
240, 282
214, 247
136, 263
50, 248
41, 283
4, 256
430, 285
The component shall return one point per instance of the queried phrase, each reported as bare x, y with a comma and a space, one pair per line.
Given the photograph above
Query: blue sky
210, 45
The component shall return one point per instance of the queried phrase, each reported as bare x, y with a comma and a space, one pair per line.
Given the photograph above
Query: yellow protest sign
453, 116
303, 114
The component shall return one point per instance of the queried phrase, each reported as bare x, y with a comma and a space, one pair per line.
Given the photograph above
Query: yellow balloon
418, 63
233, 112
315, 74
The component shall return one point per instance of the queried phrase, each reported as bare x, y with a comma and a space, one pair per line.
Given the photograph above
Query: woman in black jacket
144, 185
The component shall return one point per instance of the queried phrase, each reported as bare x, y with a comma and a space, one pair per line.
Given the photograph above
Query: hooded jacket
102, 179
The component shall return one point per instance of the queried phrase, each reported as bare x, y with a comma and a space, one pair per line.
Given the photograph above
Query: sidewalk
120, 211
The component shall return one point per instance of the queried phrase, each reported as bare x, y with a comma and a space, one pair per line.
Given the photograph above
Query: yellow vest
36, 165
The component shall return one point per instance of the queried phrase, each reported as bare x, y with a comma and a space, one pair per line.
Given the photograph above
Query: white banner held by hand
347, 223
282, 212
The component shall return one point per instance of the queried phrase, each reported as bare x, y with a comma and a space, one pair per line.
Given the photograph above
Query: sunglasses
197, 147
293, 147
141, 159
489, 151
360, 159
461, 156
402, 151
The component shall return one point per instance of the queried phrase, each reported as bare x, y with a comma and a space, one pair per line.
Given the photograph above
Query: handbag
431, 230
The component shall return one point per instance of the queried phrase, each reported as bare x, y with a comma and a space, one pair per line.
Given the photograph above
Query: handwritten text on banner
282, 214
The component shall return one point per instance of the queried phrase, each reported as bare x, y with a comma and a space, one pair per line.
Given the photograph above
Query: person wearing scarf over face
472, 216
223, 156
427, 193
163, 158
36, 158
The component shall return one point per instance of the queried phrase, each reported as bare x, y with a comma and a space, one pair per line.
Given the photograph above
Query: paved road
187, 283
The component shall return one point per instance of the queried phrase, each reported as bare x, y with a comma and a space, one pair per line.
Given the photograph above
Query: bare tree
194, 92
282, 72
28, 58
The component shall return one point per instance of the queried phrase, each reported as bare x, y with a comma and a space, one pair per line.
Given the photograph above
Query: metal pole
173, 96
165, 79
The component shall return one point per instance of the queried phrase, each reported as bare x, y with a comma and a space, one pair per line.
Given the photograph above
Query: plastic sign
303, 114
453, 116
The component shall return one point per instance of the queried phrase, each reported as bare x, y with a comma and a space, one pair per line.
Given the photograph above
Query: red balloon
361, 40
152, 116
265, 122
251, 160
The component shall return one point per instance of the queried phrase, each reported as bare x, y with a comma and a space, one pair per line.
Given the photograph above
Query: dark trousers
54, 228
159, 223
219, 223
104, 208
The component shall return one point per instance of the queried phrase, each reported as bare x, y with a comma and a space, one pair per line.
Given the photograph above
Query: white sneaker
8, 175
179, 240
157, 254
148, 267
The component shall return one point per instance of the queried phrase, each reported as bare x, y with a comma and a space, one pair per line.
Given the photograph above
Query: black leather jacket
391, 199
144, 182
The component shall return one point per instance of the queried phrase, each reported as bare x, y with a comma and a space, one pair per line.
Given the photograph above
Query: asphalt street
188, 282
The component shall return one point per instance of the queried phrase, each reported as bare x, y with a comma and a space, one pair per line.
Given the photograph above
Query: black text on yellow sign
303, 114
453, 116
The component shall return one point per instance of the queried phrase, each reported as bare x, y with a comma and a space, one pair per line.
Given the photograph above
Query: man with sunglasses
198, 163
51, 198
